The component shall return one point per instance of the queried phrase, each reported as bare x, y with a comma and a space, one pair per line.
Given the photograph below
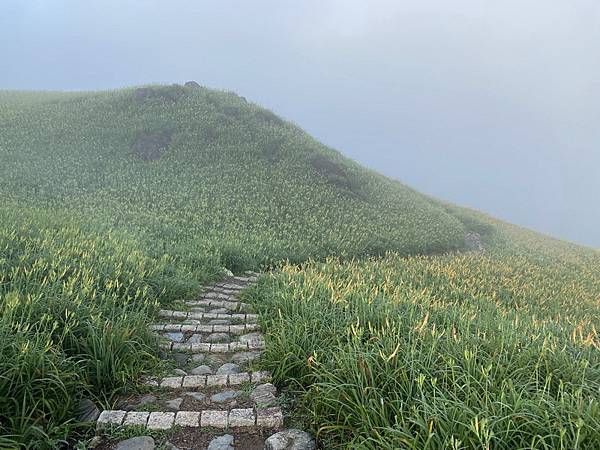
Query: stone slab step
215, 295
209, 381
210, 347
185, 315
222, 290
240, 283
219, 295
177, 327
230, 305
248, 279
159, 420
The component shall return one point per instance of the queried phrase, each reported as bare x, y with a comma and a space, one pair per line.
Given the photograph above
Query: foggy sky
485, 103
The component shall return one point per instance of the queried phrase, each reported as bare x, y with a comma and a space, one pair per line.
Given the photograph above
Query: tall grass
95, 233
74, 309
236, 182
440, 352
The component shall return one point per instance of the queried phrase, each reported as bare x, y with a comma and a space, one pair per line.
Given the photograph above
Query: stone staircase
213, 341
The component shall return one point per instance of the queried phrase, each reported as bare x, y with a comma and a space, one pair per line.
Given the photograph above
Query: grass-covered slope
199, 169
498, 349
114, 202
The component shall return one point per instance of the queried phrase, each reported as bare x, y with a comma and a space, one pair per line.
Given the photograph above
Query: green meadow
494, 350
384, 330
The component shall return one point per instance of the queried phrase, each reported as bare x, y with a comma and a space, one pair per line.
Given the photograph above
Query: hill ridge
165, 145
119, 204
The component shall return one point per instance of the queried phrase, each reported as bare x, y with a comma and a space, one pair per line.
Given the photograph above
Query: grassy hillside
208, 172
116, 202
478, 350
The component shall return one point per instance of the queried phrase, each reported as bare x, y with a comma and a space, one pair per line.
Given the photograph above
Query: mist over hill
118, 203
488, 106
289, 241
191, 166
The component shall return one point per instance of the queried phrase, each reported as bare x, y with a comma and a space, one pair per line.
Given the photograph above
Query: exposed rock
145, 400
137, 443
217, 337
174, 404
175, 337
254, 340
269, 418
195, 338
198, 396
217, 419
244, 357
473, 242
149, 146
188, 418
198, 357
87, 411
171, 382
225, 396
222, 443
180, 358
201, 370
214, 360
110, 417
241, 417
228, 368
183, 373
264, 394
291, 440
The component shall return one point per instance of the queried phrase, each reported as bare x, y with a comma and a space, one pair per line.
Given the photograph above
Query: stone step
246, 279
222, 290
161, 420
239, 283
210, 347
191, 328
212, 295
186, 315
209, 381
232, 306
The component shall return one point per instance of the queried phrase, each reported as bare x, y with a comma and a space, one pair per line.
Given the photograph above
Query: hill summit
118, 204
191, 167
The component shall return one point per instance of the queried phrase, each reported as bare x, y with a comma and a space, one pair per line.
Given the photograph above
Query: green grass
236, 181
496, 350
114, 203
74, 309
99, 224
